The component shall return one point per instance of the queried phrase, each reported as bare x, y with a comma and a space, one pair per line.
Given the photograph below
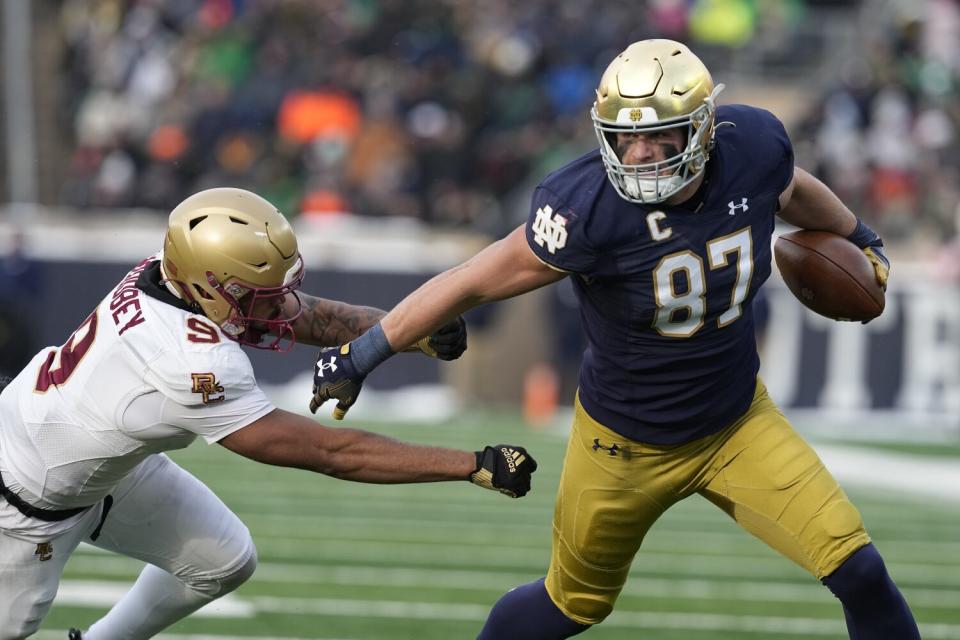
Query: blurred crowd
450, 110
883, 132
443, 110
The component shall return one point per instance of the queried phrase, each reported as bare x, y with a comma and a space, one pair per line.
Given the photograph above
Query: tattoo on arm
328, 323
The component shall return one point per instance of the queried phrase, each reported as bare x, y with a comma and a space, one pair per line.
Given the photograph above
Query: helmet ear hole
200, 292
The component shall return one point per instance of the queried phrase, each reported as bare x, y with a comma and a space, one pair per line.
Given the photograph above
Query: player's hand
871, 244
335, 377
505, 468
881, 265
448, 342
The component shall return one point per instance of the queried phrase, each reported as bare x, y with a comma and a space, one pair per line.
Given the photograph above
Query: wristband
863, 236
370, 349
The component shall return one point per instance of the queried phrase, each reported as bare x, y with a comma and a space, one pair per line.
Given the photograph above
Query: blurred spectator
886, 135
436, 109
443, 110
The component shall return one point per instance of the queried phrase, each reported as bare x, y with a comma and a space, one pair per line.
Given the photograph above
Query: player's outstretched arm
328, 323
809, 204
504, 269
289, 440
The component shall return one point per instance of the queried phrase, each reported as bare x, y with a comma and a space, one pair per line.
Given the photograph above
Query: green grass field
345, 561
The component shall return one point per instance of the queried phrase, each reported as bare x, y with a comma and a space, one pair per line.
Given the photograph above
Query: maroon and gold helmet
229, 251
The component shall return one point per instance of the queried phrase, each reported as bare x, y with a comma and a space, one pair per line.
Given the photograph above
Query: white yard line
921, 476
638, 585
61, 635
95, 594
408, 610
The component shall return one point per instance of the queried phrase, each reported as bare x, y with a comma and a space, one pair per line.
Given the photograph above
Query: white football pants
196, 549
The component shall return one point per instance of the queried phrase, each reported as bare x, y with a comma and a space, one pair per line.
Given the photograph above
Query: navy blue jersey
665, 291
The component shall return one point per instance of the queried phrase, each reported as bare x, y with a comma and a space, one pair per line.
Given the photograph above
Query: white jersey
139, 376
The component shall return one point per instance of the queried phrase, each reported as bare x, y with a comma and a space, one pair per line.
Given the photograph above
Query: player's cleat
74, 634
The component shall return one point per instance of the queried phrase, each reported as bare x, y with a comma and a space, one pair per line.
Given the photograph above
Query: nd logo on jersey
550, 228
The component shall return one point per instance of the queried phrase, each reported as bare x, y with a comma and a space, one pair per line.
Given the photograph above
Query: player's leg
30, 574
605, 505
775, 486
197, 550
872, 604
528, 612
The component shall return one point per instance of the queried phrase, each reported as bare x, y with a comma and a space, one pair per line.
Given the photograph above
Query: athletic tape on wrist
863, 236
370, 349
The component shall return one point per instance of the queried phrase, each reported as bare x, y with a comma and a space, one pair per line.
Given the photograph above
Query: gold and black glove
505, 468
870, 243
446, 343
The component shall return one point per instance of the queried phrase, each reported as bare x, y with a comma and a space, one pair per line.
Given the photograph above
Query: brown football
829, 275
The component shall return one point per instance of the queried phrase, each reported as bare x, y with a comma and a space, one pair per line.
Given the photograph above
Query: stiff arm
504, 269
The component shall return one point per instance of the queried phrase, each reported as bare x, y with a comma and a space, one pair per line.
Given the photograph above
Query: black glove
448, 342
505, 468
336, 377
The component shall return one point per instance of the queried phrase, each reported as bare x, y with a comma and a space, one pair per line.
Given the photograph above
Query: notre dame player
156, 364
665, 231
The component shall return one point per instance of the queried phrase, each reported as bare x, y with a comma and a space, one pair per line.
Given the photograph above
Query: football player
156, 364
665, 231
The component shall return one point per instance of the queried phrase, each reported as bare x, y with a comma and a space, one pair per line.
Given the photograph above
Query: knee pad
16, 627
240, 574
863, 572
217, 582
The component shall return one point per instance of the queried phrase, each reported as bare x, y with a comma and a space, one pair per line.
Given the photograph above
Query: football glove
505, 468
336, 378
881, 264
448, 342
869, 241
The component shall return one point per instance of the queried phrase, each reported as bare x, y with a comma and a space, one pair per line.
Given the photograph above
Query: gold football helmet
234, 255
651, 86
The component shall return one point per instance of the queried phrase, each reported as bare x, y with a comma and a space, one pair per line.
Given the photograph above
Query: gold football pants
758, 470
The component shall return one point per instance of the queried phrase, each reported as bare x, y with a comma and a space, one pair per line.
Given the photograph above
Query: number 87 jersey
665, 291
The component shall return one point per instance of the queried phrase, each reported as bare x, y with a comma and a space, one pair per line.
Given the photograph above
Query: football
829, 275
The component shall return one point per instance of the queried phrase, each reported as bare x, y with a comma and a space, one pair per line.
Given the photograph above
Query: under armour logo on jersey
326, 366
513, 458
734, 207
550, 229
612, 449
44, 551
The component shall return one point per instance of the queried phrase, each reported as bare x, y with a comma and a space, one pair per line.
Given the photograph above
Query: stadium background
399, 137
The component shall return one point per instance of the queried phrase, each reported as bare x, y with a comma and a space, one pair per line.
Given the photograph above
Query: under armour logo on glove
336, 381
326, 366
